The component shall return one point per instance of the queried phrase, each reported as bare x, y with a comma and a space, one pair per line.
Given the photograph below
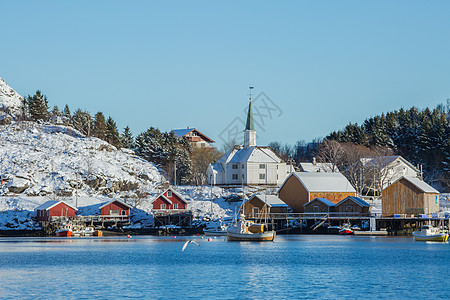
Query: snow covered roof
420, 184
185, 131
357, 200
323, 182
269, 200
51, 203
167, 199
323, 200
115, 200
317, 167
216, 168
255, 154
387, 160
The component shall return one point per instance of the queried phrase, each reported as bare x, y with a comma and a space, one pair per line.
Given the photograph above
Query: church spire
250, 133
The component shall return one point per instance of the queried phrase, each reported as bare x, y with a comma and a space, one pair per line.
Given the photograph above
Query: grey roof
357, 200
420, 184
323, 182
51, 203
317, 167
323, 200
115, 200
270, 200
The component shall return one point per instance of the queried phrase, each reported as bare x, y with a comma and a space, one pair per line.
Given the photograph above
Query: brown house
301, 187
352, 205
259, 205
411, 196
319, 205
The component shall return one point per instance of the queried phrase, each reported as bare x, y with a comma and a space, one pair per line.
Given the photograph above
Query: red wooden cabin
49, 209
169, 200
115, 209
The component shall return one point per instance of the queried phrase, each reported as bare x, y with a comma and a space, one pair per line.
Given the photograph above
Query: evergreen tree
67, 112
55, 111
126, 138
38, 107
112, 134
99, 126
82, 121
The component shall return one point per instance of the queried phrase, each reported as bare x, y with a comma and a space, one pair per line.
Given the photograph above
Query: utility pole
175, 172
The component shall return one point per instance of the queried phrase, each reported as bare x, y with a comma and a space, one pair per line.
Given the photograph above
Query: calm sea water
156, 268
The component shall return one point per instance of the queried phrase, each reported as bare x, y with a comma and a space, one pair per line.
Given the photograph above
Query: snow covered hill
11, 102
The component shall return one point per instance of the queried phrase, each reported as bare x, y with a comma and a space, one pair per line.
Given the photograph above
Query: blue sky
172, 64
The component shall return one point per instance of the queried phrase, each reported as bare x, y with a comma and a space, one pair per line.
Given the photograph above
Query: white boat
221, 230
249, 231
430, 233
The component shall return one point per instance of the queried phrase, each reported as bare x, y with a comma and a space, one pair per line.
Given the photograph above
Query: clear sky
172, 64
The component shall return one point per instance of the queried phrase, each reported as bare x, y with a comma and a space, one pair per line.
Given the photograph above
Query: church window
262, 166
234, 166
262, 176
242, 176
235, 177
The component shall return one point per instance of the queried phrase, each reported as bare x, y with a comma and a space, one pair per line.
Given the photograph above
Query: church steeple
249, 133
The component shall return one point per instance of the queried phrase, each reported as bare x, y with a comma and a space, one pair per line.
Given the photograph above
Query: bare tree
331, 152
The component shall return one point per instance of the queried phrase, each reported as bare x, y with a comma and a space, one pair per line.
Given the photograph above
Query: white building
317, 167
249, 164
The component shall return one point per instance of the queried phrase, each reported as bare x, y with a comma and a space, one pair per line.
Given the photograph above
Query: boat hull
346, 232
214, 232
430, 238
64, 233
267, 236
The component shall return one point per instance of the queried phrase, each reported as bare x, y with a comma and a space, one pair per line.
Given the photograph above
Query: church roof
250, 125
251, 154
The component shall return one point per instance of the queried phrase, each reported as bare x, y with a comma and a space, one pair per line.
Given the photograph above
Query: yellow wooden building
258, 206
301, 187
409, 196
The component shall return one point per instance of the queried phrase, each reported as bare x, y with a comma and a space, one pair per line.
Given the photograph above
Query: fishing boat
65, 230
249, 231
346, 230
431, 234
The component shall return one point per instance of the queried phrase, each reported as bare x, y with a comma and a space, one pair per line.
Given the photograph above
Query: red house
49, 209
115, 209
169, 200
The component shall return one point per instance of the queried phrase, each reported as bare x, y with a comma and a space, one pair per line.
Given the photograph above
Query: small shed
319, 205
353, 205
259, 205
301, 187
115, 209
52, 208
411, 196
170, 200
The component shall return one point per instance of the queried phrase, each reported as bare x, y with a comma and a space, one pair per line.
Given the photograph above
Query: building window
114, 212
349, 208
316, 208
235, 177
175, 206
242, 166
203, 145
169, 194
124, 212
235, 166
262, 176
163, 206
255, 210
242, 176
262, 166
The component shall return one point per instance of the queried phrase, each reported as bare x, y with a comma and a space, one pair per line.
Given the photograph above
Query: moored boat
249, 231
64, 231
430, 234
346, 230
218, 231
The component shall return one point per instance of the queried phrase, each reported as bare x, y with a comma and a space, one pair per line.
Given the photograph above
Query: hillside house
410, 196
352, 205
382, 171
258, 206
52, 209
194, 136
319, 205
301, 187
249, 164
170, 201
115, 209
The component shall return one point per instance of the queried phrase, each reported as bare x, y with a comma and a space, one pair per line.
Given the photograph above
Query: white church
249, 164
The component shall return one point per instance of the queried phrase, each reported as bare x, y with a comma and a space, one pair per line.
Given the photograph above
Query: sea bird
188, 242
